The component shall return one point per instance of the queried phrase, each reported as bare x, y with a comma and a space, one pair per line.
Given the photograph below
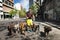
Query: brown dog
47, 30
22, 27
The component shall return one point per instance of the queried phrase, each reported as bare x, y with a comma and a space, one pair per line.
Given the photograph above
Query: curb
56, 26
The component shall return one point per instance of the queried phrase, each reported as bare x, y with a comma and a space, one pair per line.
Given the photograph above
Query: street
29, 19
53, 35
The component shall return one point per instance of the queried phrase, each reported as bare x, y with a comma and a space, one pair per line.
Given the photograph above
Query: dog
11, 28
35, 27
47, 29
22, 27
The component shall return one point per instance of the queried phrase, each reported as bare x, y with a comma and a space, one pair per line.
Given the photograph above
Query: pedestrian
29, 17
29, 14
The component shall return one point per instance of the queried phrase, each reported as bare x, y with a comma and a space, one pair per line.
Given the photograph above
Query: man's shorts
29, 22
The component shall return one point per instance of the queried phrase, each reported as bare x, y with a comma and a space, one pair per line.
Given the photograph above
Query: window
2, 0
6, 2
1, 12
9, 3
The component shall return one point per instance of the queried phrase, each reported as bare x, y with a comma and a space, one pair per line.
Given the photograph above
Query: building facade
1, 9
40, 10
52, 9
31, 2
6, 6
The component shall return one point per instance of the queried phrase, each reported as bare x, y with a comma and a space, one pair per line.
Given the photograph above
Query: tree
22, 13
13, 12
34, 8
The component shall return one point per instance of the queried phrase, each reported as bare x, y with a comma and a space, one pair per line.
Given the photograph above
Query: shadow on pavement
27, 38
0, 38
8, 34
2, 28
42, 34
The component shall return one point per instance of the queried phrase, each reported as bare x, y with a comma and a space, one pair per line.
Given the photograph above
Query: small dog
35, 27
47, 30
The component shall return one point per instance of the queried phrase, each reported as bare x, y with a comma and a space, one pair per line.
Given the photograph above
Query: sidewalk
54, 34
5, 19
55, 24
12, 19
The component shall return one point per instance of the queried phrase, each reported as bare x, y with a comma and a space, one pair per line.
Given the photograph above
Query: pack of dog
21, 27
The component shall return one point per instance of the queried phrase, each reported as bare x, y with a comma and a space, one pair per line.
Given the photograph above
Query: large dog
22, 27
11, 28
47, 29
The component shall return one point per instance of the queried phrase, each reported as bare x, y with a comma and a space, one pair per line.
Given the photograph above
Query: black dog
35, 27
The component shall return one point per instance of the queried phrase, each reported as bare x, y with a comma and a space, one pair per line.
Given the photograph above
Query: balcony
1, 8
8, 3
0, 4
0, 0
4, 4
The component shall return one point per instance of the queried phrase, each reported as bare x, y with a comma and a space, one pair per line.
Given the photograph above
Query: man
29, 14
29, 17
